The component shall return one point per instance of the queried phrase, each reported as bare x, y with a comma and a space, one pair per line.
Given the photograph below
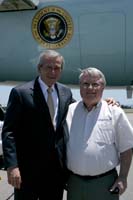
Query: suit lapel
62, 103
39, 99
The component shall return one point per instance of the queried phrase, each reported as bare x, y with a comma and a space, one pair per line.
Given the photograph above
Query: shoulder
72, 108
22, 90
63, 90
77, 104
62, 86
23, 86
114, 110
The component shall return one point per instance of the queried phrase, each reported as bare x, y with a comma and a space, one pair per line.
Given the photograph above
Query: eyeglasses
88, 85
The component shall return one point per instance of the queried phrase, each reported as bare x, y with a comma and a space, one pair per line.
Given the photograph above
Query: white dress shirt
96, 138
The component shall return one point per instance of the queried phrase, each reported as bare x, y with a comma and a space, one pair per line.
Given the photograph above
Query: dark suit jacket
29, 139
2, 113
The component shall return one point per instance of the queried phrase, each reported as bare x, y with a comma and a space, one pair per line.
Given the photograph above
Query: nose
52, 69
90, 86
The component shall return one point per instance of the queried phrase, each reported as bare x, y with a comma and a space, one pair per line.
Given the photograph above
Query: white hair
51, 53
92, 71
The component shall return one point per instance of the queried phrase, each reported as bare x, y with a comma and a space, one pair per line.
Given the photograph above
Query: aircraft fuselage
100, 36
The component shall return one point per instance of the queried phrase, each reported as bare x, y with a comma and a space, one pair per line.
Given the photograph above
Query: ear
39, 68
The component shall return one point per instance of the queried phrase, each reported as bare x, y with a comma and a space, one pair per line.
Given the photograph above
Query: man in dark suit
33, 142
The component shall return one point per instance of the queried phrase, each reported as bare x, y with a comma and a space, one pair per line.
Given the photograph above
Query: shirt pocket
104, 133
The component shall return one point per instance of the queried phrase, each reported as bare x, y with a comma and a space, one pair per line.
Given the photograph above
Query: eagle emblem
52, 27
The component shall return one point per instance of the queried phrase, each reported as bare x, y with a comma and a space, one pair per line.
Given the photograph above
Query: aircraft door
102, 42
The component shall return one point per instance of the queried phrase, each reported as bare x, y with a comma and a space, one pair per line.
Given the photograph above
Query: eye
95, 85
86, 84
48, 67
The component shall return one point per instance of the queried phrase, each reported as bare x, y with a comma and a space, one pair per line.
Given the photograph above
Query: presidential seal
52, 27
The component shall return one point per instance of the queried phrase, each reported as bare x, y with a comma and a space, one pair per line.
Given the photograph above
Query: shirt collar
43, 85
94, 107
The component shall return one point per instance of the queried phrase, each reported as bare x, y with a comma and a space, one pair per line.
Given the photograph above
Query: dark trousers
48, 186
53, 192
56, 194
88, 189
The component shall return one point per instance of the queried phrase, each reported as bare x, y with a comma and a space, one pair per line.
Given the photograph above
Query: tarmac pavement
6, 191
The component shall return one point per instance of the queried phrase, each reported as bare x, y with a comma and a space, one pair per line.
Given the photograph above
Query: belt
87, 177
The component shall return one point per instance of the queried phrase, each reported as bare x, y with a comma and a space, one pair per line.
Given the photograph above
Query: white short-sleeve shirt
96, 138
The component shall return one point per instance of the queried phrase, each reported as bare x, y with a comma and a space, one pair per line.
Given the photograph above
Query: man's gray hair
51, 53
93, 71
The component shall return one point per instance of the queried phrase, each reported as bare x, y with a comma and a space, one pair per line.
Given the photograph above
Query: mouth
52, 77
88, 93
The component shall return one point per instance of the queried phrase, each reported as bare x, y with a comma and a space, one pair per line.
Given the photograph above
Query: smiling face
91, 89
50, 69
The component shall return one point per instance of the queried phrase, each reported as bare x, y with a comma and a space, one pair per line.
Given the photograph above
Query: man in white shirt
100, 139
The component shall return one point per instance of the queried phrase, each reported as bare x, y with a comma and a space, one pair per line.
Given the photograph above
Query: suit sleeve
8, 139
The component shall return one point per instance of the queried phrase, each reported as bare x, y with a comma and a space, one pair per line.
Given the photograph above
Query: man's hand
121, 184
112, 102
125, 163
14, 177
